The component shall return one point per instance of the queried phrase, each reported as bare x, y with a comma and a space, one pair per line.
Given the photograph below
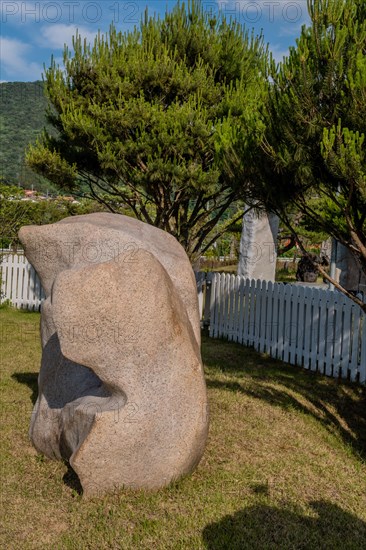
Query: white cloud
57, 35
14, 62
291, 30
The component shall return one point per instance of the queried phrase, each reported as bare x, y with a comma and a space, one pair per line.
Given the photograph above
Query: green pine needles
312, 160
145, 118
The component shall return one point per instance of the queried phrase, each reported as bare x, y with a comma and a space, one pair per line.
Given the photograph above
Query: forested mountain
22, 118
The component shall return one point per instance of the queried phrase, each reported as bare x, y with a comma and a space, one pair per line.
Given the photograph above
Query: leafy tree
15, 212
10, 212
144, 119
312, 159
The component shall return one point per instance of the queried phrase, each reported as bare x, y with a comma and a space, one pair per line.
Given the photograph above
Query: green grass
284, 466
286, 275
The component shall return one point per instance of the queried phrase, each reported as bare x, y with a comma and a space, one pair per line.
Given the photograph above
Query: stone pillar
348, 271
258, 245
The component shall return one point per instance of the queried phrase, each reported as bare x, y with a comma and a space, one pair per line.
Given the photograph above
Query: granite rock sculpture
122, 395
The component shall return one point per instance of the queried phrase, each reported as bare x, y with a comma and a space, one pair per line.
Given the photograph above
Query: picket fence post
317, 329
20, 283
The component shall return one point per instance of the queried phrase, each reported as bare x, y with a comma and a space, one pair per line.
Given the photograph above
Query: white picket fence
19, 282
318, 329
321, 330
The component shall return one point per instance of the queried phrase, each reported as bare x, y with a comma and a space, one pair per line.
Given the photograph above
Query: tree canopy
144, 119
16, 212
312, 157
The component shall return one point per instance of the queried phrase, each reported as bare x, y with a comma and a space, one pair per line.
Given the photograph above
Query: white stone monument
348, 272
258, 246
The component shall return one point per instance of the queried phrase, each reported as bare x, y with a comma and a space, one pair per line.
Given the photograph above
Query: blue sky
31, 31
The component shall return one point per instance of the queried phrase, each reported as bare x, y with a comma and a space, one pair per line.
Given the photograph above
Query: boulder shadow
259, 527
72, 480
30, 379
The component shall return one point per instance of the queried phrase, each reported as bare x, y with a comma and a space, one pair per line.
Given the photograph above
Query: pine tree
144, 119
312, 159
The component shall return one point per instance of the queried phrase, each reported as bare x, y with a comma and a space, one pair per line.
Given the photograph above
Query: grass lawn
285, 464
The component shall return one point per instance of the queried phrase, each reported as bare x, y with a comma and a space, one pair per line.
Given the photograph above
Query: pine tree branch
224, 229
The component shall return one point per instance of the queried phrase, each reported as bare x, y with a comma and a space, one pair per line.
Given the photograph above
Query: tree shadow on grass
339, 405
30, 379
268, 527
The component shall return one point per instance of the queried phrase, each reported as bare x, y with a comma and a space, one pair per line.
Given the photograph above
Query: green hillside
22, 118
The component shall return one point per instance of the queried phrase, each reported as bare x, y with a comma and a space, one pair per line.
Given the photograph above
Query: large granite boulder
122, 394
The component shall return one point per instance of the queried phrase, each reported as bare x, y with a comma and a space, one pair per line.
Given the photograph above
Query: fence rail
318, 329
